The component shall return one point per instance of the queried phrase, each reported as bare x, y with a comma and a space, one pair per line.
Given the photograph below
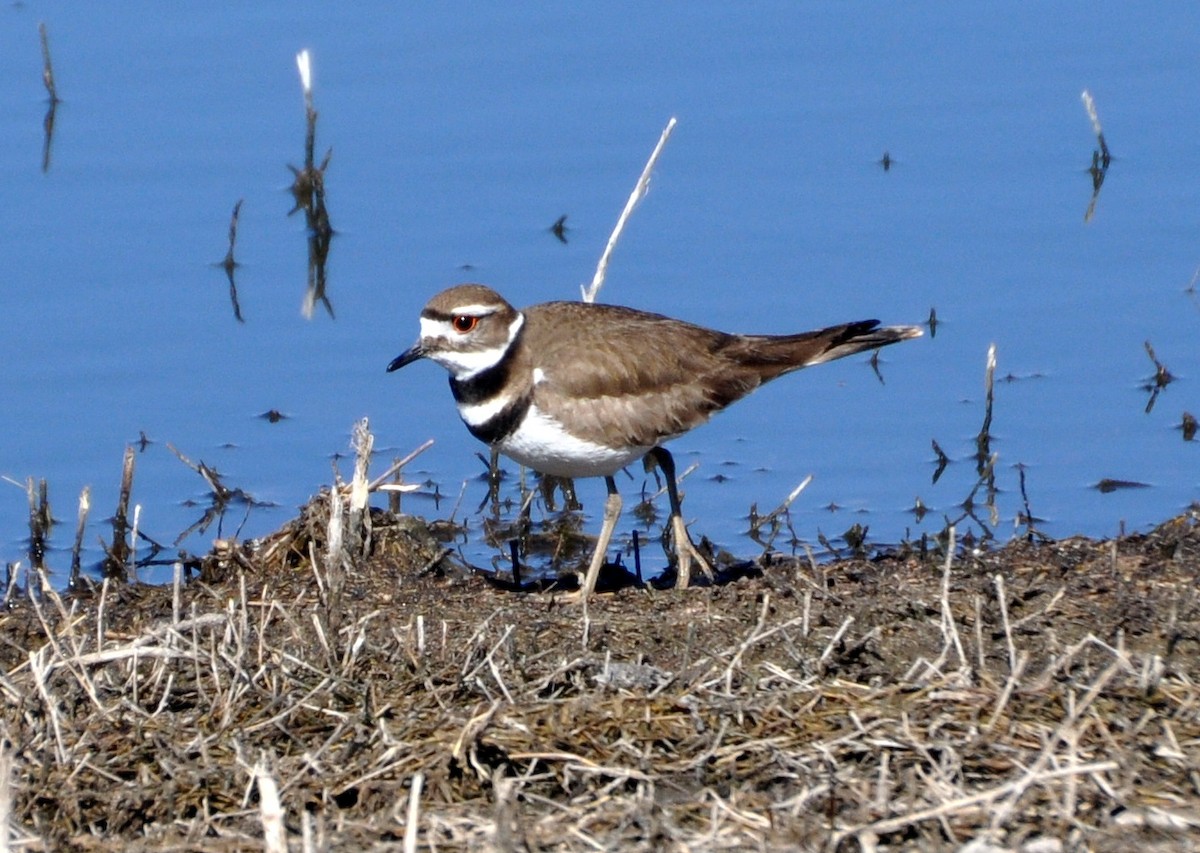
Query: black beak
410, 355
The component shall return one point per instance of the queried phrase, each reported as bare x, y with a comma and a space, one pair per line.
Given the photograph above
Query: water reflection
308, 189
1160, 380
52, 90
221, 498
229, 264
1100, 158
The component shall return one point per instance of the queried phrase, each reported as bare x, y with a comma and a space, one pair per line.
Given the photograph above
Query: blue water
459, 137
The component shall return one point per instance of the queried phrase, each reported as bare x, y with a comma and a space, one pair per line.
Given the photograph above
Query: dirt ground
1034, 697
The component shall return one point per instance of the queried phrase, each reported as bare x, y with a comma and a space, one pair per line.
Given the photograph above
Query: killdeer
581, 390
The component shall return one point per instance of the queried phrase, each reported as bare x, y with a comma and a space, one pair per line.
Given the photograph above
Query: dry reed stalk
639, 192
1002, 601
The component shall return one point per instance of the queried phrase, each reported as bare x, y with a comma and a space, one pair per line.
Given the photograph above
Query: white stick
639, 192
414, 811
270, 812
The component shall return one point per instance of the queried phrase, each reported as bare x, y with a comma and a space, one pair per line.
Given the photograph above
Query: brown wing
681, 376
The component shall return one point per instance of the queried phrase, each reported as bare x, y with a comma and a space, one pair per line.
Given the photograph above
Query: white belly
541, 443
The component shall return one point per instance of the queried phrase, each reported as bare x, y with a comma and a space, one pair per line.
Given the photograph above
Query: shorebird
579, 389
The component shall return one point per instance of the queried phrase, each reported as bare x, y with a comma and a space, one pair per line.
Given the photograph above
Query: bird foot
686, 553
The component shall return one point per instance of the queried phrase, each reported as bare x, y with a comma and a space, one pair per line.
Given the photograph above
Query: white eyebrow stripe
474, 310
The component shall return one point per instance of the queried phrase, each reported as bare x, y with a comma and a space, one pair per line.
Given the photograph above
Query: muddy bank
1039, 696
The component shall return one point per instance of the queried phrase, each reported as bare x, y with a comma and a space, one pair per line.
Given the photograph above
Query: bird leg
612, 514
685, 551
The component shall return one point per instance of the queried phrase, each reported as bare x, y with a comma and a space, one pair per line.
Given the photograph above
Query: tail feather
857, 337
773, 355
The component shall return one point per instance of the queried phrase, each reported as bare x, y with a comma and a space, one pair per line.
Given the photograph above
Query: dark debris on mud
1033, 697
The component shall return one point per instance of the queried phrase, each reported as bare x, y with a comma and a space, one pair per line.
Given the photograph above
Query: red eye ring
464, 323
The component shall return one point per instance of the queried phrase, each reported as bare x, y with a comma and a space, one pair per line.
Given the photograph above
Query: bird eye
464, 323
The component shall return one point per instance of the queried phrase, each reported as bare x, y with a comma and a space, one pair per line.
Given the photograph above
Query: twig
379, 481
639, 192
1000, 597
833, 641
949, 807
949, 628
783, 507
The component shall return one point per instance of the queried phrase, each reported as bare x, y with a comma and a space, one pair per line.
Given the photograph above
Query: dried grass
895, 705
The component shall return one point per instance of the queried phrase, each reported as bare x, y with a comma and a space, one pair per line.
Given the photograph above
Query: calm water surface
459, 138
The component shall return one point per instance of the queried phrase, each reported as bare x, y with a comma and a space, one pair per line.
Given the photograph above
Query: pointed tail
773, 355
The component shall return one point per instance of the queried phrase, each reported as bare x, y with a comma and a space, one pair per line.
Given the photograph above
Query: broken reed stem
270, 811
335, 563
47, 66
118, 553
39, 522
983, 441
360, 516
639, 192
85, 505
133, 535
176, 591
